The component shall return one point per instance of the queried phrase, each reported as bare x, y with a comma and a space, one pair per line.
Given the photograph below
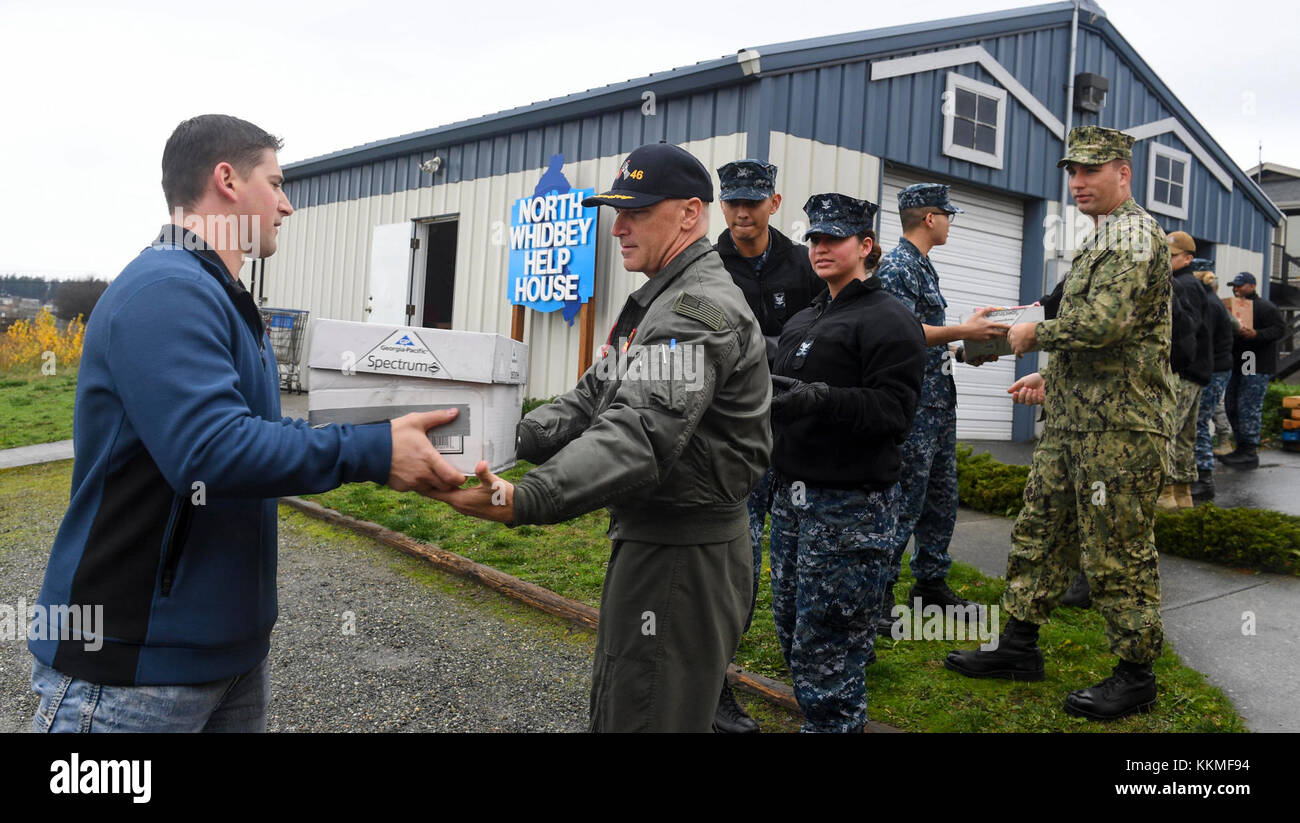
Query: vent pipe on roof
748, 60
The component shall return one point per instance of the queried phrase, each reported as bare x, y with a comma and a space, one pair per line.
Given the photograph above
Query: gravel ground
426, 651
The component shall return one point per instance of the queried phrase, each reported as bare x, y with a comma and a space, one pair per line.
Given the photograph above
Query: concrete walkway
31, 455
1205, 606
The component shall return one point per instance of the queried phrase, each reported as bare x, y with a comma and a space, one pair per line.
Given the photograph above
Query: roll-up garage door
978, 266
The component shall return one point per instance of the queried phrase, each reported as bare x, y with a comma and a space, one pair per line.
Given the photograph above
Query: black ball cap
654, 172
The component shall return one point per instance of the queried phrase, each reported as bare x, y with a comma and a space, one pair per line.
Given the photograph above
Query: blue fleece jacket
180, 455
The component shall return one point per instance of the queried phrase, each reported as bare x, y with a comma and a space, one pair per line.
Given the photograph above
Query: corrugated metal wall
676, 120
1215, 213
806, 167
900, 119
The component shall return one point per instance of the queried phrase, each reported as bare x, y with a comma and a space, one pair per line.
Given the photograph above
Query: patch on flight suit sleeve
698, 308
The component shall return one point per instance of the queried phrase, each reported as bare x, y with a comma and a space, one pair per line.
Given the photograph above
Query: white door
390, 272
978, 266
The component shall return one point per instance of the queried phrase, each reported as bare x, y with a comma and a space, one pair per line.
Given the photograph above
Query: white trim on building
978, 121
1173, 181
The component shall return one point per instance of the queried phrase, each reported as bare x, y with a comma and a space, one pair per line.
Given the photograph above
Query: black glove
794, 398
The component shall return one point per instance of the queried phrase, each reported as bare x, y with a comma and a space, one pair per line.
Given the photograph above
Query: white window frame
1173, 154
956, 81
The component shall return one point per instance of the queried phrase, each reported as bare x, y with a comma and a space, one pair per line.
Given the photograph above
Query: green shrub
988, 485
531, 403
1257, 538
1270, 424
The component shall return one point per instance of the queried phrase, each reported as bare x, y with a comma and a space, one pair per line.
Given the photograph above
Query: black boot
885, 623
1079, 595
1017, 656
935, 593
1245, 457
729, 717
1131, 688
1203, 488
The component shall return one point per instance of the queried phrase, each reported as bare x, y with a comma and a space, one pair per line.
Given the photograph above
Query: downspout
1069, 123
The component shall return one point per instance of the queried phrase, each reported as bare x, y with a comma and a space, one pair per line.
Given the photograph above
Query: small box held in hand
1000, 346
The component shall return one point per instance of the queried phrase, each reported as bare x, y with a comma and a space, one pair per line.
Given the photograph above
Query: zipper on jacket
176, 537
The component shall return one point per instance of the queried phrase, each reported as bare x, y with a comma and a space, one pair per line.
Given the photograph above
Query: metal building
982, 102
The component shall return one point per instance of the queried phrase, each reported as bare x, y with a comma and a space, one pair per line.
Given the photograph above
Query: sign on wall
553, 246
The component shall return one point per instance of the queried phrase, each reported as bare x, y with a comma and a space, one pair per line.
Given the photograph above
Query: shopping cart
287, 328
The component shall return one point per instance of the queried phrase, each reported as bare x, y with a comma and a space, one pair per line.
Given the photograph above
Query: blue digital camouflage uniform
1244, 402
1211, 396
830, 552
928, 503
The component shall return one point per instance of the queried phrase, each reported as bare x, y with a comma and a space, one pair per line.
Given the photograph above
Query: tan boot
1183, 494
1167, 502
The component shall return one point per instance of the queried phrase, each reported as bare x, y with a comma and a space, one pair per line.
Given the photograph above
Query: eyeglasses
952, 218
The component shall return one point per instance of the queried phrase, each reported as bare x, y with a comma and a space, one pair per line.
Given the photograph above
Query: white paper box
367, 372
1000, 346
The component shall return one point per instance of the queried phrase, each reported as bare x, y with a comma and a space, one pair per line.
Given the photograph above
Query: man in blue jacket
181, 453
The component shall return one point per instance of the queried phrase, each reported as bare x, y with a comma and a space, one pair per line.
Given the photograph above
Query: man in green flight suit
1108, 393
669, 430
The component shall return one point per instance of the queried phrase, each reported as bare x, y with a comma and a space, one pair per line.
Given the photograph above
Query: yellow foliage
30, 345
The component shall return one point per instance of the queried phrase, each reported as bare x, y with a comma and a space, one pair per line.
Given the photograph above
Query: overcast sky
89, 92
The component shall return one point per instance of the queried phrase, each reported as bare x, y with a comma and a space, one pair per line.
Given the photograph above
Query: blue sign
553, 246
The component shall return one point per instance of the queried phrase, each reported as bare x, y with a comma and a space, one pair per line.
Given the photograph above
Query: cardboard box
367, 372
1291, 401
1000, 346
1243, 309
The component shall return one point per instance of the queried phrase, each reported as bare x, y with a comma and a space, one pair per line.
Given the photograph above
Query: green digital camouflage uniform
1091, 495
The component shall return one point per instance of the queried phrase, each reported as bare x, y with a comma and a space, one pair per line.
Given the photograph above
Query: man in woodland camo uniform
1097, 470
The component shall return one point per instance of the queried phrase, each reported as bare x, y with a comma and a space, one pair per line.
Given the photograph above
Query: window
973, 117
1167, 175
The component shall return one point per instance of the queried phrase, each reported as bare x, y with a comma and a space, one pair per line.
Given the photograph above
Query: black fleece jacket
870, 350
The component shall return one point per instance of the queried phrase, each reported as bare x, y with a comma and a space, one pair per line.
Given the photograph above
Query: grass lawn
908, 686
36, 409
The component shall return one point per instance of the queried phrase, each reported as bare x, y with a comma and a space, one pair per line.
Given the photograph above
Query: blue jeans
68, 704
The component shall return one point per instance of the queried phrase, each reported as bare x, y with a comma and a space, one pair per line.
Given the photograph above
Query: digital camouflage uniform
832, 536
928, 503
830, 565
1097, 470
1244, 401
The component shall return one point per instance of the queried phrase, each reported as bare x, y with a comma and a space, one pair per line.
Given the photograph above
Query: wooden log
509, 585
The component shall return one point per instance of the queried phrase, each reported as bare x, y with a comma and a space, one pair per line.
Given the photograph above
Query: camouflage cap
1181, 241
1093, 145
838, 214
747, 180
922, 195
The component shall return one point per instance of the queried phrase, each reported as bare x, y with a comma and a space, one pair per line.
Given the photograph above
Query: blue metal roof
777, 59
